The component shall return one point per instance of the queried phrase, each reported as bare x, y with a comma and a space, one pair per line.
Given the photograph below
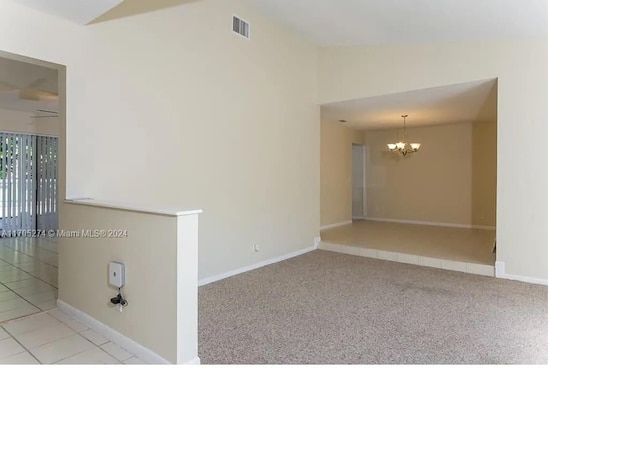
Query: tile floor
32, 330
53, 337
461, 249
28, 276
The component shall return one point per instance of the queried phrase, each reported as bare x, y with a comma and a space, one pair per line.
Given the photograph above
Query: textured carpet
325, 307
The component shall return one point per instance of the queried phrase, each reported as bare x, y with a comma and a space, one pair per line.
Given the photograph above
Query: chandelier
403, 148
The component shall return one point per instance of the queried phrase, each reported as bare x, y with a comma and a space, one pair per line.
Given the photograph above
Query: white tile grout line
77, 333
29, 255
40, 310
65, 358
25, 348
28, 273
36, 245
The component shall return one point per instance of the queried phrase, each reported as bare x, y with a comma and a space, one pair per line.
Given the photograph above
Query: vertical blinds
28, 183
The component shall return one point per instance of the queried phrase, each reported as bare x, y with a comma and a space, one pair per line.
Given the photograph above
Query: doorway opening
358, 182
434, 207
29, 157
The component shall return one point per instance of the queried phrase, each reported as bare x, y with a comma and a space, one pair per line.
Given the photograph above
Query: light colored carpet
325, 307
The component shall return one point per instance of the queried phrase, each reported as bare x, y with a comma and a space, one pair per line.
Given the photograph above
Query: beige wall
434, 185
160, 254
201, 119
521, 68
198, 119
16, 121
335, 171
22, 122
484, 178
48, 126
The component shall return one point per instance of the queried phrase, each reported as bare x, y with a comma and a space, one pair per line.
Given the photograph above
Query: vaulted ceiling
374, 22
78, 11
137, 7
464, 102
339, 22
93, 11
353, 22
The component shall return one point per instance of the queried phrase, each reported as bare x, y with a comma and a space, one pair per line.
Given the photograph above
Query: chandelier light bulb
402, 148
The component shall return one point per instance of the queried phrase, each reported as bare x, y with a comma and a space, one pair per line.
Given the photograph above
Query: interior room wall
22, 122
155, 285
434, 185
16, 121
335, 171
206, 119
202, 117
48, 126
484, 178
521, 68
358, 186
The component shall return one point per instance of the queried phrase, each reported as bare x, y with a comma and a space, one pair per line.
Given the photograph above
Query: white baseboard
501, 273
116, 337
242, 270
430, 223
195, 361
335, 225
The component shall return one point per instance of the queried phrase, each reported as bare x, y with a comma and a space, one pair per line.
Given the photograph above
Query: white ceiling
78, 11
137, 7
17, 77
465, 102
371, 22
94, 11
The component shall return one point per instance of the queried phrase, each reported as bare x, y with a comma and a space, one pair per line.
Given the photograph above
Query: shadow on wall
484, 179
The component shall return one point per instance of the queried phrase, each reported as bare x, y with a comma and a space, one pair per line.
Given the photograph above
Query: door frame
364, 180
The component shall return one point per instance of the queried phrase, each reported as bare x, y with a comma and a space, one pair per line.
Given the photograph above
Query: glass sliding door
28, 183
46, 186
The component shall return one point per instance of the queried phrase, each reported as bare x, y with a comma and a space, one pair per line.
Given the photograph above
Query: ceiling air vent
241, 27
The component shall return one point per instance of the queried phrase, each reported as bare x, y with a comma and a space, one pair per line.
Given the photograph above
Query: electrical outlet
256, 248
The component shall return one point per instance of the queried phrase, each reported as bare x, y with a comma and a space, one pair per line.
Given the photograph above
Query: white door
357, 181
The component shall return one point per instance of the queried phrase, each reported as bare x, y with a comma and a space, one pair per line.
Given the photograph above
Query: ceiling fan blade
45, 113
37, 95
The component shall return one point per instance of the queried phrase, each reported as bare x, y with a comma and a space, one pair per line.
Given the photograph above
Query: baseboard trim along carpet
242, 270
336, 225
403, 258
116, 337
430, 223
500, 273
